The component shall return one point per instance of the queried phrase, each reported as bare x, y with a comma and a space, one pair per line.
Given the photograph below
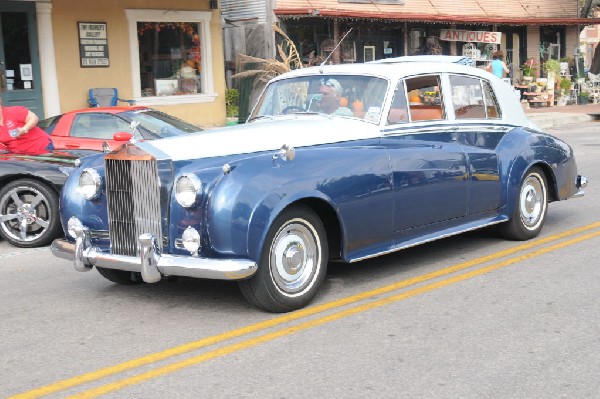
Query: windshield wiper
257, 117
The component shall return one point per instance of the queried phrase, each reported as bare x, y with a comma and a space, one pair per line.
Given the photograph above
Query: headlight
191, 240
187, 189
90, 184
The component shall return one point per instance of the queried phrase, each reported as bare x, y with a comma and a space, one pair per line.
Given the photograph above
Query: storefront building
378, 29
167, 55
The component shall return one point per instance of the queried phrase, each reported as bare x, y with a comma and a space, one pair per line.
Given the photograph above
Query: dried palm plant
267, 69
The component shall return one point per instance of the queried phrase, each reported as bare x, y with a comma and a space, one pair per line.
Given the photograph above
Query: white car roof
392, 68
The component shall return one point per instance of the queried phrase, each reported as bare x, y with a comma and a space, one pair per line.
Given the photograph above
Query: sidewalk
547, 117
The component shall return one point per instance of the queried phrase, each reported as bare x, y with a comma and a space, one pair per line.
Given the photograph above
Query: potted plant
232, 97
552, 67
563, 90
530, 71
584, 97
565, 86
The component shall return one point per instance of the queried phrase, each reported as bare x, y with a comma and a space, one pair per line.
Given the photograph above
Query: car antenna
335, 48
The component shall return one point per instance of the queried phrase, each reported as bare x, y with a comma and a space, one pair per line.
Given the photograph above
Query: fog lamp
72, 225
191, 240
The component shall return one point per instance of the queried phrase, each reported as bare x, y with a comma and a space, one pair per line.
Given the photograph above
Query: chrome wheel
293, 262
530, 207
532, 201
28, 213
295, 257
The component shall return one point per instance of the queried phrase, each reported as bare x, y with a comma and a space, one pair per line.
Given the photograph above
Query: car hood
264, 135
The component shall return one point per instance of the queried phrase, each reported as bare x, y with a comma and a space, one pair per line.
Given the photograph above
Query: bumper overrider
581, 183
150, 263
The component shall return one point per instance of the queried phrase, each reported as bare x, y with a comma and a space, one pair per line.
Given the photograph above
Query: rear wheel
120, 276
29, 213
531, 208
293, 262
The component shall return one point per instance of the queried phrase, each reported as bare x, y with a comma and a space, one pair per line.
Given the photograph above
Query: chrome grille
133, 199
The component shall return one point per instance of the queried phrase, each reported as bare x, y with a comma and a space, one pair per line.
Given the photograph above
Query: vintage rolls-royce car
337, 162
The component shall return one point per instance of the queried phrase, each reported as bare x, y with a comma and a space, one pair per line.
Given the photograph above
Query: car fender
556, 160
242, 205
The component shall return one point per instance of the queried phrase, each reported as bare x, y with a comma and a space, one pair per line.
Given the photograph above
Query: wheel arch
550, 180
324, 211
10, 178
517, 171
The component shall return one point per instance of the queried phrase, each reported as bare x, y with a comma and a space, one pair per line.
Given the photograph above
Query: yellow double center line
304, 313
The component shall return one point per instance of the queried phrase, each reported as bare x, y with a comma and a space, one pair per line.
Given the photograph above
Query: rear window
473, 98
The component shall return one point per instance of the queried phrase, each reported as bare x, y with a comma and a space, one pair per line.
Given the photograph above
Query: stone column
50, 92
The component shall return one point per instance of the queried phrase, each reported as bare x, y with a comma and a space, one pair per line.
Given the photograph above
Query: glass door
19, 63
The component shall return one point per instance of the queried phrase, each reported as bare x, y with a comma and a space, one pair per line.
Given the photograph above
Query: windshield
153, 124
342, 95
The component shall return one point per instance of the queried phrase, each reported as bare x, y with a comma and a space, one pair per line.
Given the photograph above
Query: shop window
368, 53
417, 41
169, 53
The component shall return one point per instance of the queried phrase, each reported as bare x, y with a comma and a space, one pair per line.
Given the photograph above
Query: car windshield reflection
152, 124
351, 96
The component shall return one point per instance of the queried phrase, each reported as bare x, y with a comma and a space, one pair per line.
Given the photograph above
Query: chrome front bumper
150, 263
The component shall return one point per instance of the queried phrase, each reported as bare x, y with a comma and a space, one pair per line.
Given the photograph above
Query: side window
97, 126
425, 98
399, 110
467, 97
491, 103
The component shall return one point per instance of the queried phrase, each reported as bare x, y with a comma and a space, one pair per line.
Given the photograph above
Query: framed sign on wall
93, 45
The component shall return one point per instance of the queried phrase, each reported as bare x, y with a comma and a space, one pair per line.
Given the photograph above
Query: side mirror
122, 136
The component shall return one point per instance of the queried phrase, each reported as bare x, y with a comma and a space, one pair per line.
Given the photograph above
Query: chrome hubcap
294, 257
532, 202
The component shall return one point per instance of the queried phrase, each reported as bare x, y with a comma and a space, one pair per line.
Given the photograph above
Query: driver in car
331, 92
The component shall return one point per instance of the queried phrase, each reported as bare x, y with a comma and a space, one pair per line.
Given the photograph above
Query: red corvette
91, 128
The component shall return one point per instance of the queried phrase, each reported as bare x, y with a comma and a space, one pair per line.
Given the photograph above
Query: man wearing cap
331, 92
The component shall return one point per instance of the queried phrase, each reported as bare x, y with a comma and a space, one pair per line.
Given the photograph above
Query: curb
556, 119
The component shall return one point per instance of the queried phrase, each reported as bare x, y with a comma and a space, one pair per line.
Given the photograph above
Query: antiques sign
457, 35
93, 44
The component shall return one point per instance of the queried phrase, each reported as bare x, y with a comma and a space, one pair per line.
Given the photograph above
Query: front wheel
531, 208
293, 262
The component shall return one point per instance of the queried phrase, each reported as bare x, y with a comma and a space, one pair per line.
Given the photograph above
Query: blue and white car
422, 150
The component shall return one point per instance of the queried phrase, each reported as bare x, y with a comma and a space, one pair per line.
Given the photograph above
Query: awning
482, 12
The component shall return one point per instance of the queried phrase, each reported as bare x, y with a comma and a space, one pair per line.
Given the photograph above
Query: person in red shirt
19, 132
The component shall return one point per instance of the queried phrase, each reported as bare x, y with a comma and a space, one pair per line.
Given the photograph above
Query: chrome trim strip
415, 243
452, 126
166, 265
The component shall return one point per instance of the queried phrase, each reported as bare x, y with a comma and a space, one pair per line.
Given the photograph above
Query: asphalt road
473, 316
